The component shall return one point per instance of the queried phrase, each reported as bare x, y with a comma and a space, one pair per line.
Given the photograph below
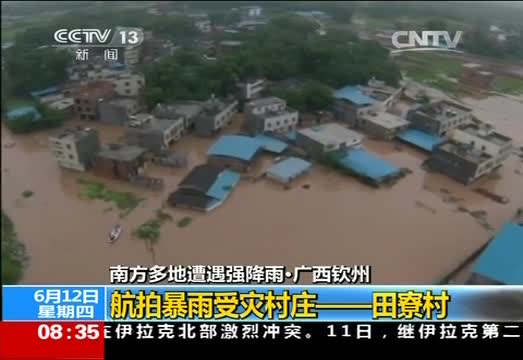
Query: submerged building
472, 151
439, 118
204, 188
318, 140
270, 114
75, 148
120, 161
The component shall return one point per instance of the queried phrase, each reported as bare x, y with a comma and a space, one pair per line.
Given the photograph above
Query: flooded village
411, 183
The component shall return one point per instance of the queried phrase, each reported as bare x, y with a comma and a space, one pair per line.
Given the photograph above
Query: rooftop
155, 124
332, 133
266, 101
420, 139
385, 119
503, 259
465, 151
289, 168
354, 95
443, 110
127, 102
73, 134
368, 165
121, 152
270, 144
235, 146
201, 178
486, 133
47, 91
214, 105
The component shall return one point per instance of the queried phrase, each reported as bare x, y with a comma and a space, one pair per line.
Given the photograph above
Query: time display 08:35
76, 331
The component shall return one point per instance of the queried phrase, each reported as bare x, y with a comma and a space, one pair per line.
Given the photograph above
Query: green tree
14, 256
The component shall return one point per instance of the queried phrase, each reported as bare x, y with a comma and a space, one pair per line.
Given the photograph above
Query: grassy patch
14, 256
125, 201
150, 230
27, 194
186, 221
508, 85
429, 68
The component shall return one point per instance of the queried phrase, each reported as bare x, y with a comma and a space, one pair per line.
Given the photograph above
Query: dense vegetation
50, 119
14, 255
285, 48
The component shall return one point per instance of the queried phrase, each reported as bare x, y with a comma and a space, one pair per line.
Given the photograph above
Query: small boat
115, 233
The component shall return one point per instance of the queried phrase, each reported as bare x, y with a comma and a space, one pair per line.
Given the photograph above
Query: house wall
379, 131
224, 118
486, 146
117, 169
281, 123
75, 154
345, 113
311, 147
453, 166
423, 122
128, 86
113, 114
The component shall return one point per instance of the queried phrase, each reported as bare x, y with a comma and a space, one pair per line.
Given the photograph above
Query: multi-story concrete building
87, 97
75, 148
318, 140
270, 114
477, 77
216, 114
117, 111
190, 110
471, 152
156, 135
439, 118
128, 84
382, 124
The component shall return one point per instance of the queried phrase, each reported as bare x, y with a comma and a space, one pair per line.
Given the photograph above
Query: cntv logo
428, 41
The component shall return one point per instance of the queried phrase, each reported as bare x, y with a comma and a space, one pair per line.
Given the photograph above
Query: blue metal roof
353, 94
22, 112
47, 91
271, 144
235, 146
224, 184
420, 139
503, 258
367, 164
289, 168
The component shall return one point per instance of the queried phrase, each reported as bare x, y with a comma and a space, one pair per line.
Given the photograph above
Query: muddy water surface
412, 232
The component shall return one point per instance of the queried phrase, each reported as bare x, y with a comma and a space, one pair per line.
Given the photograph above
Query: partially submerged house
350, 102
270, 114
420, 139
287, 170
472, 151
156, 135
120, 161
87, 97
215, 115
321, 139
75, 148
117, 111
381, 124
439, 118
236, 152
204, 188
239, 152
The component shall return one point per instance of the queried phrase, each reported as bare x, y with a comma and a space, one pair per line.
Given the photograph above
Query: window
87, 109
77, 101
71, 157
127, 91
82, 117
86, 101
127, 83
79, 108
472, 142
483, 147
139, 82
114, 85
68, 146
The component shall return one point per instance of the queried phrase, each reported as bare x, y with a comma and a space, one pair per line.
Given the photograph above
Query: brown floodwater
409, 233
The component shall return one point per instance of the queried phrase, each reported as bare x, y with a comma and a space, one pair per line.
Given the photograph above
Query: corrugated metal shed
288, 169
354, 95
420, 139
367, 164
